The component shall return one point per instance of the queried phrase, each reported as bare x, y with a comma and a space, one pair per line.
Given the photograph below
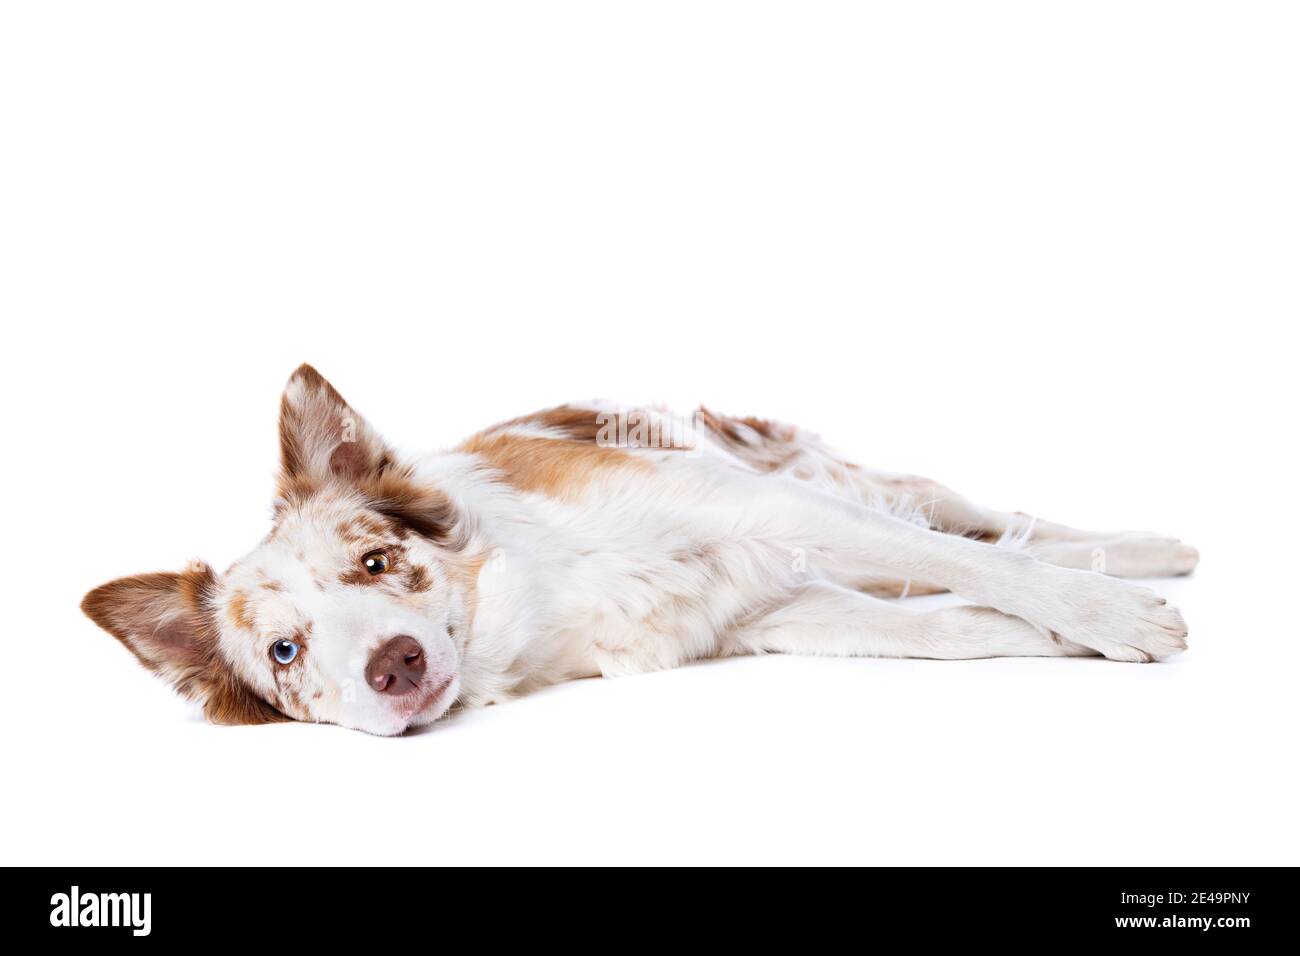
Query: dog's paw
1148, 556
1128, 555
1118, 620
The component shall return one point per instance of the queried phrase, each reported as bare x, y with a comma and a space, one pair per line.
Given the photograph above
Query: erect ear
166, 620
322, 436
161, 618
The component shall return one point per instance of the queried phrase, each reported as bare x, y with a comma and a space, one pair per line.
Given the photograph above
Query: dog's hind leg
839, 538
824, 619
1130, 554
1127, 554
784, 452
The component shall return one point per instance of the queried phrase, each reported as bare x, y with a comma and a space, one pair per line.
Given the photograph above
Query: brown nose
397, 666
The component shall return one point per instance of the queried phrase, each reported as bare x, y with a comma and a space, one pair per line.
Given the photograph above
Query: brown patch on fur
375, 526
237, 611
417, 578
418, 508
721, 426
359, 576
275, 586
168, 622
551, 466
367, 527
762, 444
302, 636
727, 428
574, 424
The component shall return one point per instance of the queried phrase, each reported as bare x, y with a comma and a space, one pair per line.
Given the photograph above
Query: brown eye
376, 562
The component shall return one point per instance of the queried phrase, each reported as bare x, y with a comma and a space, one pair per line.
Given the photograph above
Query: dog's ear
166, 620
322, 436
162, 618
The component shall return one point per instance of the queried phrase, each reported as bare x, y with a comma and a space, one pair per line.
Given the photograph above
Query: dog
595, 540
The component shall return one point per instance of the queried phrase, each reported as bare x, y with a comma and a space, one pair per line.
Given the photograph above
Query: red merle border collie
596, 540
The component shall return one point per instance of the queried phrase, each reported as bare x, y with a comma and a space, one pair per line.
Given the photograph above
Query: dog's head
353, 609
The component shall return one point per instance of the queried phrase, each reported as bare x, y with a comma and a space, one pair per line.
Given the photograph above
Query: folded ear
167, 621
322, 436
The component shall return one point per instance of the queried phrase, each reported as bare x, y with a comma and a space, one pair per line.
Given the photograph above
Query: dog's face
352, 610
345, 616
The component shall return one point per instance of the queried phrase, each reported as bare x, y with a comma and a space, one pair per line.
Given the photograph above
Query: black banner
1222, 907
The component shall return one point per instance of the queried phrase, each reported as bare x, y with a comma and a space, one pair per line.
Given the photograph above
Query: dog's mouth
426, 700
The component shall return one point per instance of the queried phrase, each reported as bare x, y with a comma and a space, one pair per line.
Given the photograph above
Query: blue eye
284, 651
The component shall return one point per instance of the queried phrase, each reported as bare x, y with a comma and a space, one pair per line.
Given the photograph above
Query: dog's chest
638, 574
656, 593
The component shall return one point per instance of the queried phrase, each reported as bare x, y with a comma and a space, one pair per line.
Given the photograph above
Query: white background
1045, 253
